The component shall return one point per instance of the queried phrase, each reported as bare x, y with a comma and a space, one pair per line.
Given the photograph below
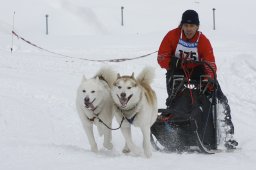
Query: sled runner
191, 120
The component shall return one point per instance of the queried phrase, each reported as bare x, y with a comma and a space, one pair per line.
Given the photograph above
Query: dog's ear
132, 76
97, 78
118, 76
84, 78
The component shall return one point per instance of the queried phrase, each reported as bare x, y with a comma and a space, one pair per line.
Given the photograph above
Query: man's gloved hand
176, 62
209, 83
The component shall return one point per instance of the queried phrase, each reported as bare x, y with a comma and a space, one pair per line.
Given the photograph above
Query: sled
189, 123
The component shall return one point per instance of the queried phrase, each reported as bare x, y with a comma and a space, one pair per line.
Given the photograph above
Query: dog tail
146, 76
107, 74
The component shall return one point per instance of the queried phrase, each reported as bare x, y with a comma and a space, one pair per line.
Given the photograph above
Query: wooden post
213, 10
12, 30
46, 16
122, 15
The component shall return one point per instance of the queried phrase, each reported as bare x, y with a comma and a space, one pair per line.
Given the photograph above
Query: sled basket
189, 121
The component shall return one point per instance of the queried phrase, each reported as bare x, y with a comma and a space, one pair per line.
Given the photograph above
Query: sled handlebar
202, 63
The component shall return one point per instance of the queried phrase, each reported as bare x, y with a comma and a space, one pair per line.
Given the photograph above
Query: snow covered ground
39, 125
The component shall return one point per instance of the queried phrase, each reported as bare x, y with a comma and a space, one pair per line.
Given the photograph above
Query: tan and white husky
135, 102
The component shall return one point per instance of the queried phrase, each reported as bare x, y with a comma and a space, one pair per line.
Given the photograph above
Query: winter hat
190, 17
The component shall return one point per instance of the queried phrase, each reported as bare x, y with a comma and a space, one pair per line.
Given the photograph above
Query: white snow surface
39, 125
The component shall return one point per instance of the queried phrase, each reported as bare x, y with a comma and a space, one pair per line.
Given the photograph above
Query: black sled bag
191, 112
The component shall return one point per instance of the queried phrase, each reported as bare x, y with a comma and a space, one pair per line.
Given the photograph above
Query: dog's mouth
123, 100
89, 104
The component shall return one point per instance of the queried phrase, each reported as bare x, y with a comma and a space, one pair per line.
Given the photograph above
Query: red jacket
169, 44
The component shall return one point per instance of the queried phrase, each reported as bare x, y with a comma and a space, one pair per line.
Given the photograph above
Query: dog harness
132, 111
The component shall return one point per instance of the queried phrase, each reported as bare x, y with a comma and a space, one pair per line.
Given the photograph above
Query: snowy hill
39, 125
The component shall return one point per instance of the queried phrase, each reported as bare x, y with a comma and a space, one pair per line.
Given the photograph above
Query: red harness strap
187, 76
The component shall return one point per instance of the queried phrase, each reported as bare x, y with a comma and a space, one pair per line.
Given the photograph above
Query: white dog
136, 103
94, 103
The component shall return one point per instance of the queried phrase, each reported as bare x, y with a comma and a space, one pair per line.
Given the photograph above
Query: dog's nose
86, 100
123, 95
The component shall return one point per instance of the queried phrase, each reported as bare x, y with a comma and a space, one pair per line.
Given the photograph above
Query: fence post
213, 10
122, 15
12, 29
46, 17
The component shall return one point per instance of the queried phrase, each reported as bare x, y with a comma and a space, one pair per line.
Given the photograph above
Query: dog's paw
109, 146
148, 153
126, 150
94, 148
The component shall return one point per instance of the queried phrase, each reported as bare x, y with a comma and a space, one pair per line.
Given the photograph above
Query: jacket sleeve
208, 56
164, 52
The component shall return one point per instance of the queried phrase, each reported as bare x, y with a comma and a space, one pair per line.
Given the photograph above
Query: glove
209, 83
176, 62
